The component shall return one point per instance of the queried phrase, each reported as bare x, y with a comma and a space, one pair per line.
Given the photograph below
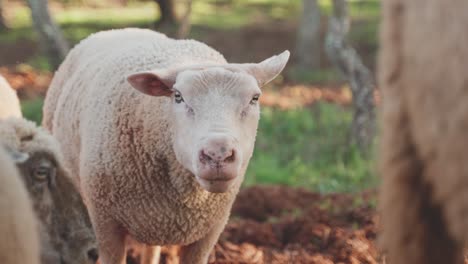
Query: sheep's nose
222, 155
93, 255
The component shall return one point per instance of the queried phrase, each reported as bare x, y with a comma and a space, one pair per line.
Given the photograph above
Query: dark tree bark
308, 37
167, 10
3, 25
51, 38
360, 79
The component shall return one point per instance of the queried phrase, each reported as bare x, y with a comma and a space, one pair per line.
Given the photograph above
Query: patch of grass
32, 109
39, 62
359, 9
364, 33
364, 9
317, 77
308, 148
119, 16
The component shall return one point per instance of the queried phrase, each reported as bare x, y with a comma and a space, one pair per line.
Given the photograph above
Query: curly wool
9, 102
424, 150
18, 227
25, 136
137, 180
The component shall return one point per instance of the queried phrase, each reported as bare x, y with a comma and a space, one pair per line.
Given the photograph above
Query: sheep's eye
42, 173
254, 99
178, 97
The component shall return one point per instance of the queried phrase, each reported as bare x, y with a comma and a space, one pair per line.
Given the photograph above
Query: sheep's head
215, 113
65, 229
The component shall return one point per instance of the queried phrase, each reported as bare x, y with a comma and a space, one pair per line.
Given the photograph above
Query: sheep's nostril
205, 158
231, 157
93, 255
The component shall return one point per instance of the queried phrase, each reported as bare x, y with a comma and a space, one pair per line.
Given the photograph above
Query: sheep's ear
268, 69
17, 156
155, 83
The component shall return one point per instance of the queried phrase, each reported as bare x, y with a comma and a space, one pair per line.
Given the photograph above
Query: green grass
321, 76
359, 9
221, 14
308, 148
78, 21
32, 109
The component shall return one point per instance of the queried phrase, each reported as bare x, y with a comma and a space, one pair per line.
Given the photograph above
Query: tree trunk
3, 25
360, 79
185, 25
308, 37
167, 10
50, 36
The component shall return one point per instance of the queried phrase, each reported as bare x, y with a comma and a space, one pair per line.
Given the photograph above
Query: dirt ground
277, 224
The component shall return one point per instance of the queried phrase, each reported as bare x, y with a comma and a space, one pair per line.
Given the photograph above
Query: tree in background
167, 10
3, 25
51, 38
185, 24
308, 37
360, 79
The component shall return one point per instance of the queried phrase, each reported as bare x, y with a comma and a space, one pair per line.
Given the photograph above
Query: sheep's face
66, 230
214, 115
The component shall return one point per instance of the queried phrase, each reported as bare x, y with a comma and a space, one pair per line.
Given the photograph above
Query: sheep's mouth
216, 184
218, 176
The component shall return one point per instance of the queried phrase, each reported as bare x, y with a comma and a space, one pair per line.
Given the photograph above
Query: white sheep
157, 134
19, 241
66, 234
9, 102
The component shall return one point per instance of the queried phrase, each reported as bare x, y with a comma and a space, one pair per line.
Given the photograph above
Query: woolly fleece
117, 144
9, 102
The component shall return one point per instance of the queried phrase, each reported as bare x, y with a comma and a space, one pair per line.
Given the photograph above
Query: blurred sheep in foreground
9, 103
19, 240
424, 146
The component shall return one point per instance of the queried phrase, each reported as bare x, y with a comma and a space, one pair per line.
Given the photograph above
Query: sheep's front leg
111, 239
151, 254
199, 251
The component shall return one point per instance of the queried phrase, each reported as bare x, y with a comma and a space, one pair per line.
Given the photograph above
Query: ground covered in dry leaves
278, 224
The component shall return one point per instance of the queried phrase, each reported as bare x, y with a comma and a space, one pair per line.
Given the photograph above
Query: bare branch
185, 25
308, 37
50, 36
360, 79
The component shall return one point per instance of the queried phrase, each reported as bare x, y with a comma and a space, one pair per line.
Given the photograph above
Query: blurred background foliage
301, 141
